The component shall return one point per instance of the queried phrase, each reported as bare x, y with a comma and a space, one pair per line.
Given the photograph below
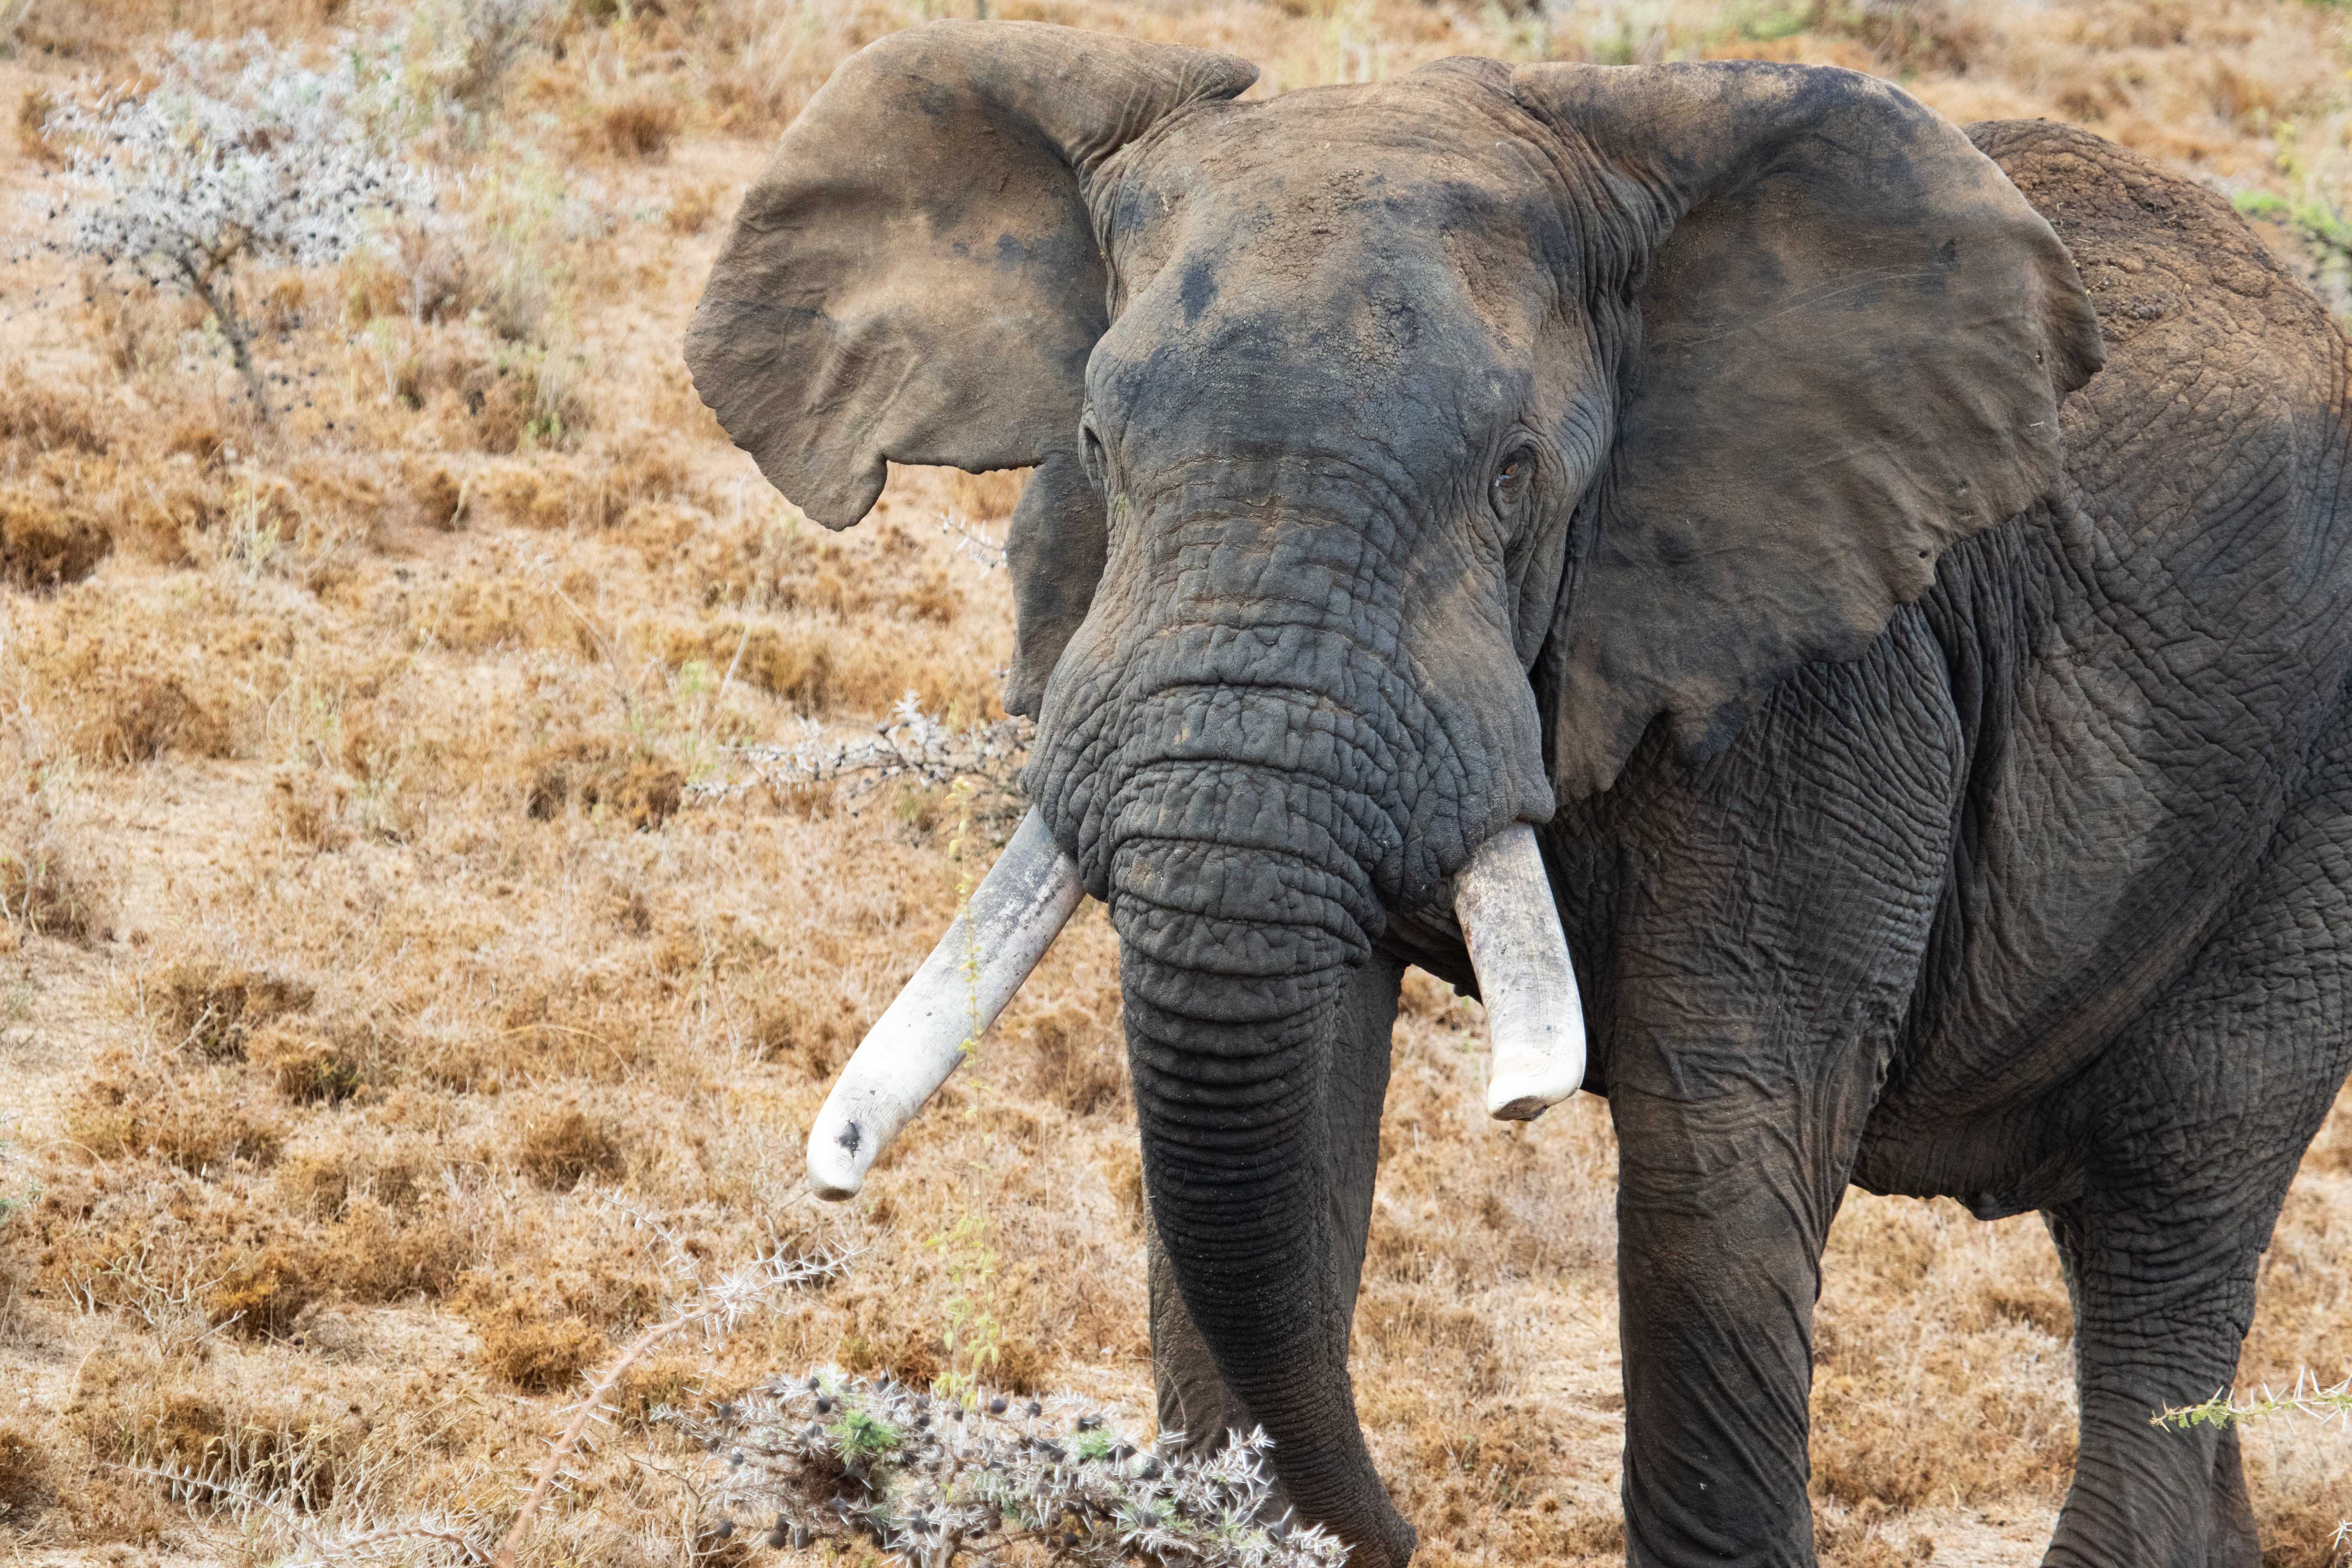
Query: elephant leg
2159, 1312
1194, 1397
2196, 1122
1719, 1240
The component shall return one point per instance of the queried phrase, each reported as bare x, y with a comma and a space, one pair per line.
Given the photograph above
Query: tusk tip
834, 1171
1520, 1108
1515, 1099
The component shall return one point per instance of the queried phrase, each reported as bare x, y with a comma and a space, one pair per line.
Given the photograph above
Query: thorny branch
926, 1477
910, 746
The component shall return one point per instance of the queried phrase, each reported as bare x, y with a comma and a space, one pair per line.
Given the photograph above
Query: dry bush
25, 1477
201, 1126
45, 417
49, 884
42, 545
213, 1009
642, 125
565, 1147
33, 135
640, 790
540, 1357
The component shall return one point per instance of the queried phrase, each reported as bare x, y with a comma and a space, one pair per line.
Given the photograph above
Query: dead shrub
308, 805
373, 1253
1913, 35
818, 1038
639, 791
202, 1128
642, 125
263, 1293
149, 718
47, 885
191, 1428
799, 666
912, 1355
565, 1149
33, 136
43, 417
199, 437
24, 1477
213, 1009
43, 545
540, 1357
2044, 1310
308, 1071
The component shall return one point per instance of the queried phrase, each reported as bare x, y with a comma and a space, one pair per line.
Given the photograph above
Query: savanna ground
400, 1004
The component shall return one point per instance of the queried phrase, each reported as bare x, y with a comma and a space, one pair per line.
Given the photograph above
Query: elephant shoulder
2151, 245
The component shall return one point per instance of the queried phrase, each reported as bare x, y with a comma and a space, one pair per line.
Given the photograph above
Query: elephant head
1403, 453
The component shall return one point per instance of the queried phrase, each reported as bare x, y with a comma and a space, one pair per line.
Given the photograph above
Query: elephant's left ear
1854, 336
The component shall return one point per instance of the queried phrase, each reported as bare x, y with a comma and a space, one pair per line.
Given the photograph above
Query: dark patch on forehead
1199, 292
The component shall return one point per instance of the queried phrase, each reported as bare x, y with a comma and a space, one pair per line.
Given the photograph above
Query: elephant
1833, 622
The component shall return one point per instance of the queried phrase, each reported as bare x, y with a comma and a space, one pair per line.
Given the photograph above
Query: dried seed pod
996, 1405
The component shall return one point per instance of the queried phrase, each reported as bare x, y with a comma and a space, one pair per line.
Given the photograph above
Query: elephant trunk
1233, 966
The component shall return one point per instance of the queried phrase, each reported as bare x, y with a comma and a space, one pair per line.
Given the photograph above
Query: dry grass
393, 1030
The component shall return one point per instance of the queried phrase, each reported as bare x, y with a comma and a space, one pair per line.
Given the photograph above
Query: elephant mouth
1502, 898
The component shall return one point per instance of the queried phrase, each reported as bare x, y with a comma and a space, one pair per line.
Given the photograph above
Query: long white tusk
1533, 1016
1012, 917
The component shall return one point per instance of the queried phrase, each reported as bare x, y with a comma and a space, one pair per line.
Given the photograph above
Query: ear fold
1854, 335
915, 275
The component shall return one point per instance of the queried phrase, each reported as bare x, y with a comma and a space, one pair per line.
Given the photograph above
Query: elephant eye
1093, 453
1513, 478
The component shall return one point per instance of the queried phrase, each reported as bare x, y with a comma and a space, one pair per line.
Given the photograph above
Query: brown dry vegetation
388, 1031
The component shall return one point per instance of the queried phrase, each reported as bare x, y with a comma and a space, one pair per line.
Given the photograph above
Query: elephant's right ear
915, 277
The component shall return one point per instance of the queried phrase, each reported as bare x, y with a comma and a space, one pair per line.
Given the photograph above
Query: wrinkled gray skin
1939, 747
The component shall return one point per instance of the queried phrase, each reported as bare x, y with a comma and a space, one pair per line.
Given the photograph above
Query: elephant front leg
1774, 907
1719, 1240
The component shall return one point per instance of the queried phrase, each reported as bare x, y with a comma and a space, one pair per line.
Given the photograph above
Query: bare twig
721, 1305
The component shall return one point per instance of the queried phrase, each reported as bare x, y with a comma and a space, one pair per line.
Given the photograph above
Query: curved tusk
1534, 1017
1012, 917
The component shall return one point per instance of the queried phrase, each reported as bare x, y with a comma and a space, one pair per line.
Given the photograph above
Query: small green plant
860, 1438
2307, 1397
975, 1337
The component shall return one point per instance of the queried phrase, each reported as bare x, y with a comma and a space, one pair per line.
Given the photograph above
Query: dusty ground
388, 1028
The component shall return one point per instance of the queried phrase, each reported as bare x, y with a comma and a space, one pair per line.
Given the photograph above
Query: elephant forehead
1387, 205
